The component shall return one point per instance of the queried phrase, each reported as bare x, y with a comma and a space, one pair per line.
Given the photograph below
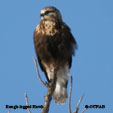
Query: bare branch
8, 111
27, 103
51, 87
49, 94
84, 110
34, 59
70, 91
78, 105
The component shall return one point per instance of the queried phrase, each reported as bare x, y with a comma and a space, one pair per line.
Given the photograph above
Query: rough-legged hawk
54, 45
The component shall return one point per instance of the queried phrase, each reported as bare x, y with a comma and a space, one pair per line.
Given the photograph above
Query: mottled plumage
54, 46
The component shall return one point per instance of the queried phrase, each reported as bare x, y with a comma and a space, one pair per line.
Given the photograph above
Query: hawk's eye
41, 15
47, 12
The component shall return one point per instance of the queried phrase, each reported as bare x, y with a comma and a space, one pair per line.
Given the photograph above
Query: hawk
54, 45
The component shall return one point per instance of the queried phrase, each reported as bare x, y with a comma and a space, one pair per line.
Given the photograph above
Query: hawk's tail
60, 93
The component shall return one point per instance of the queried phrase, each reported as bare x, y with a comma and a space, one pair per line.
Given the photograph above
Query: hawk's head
50, 13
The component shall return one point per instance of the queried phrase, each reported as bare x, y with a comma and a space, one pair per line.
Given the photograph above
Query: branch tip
27, 102
70, 92
38, 74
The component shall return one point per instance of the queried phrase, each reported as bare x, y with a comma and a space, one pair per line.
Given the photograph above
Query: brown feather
57, 48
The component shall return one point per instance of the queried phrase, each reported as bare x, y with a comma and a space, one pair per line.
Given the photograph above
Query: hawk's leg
48, 82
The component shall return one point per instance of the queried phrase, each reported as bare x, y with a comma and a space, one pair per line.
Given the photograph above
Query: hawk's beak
42, 16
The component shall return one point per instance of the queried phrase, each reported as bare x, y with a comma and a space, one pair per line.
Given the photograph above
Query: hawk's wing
60, 46
39, 59
70, 40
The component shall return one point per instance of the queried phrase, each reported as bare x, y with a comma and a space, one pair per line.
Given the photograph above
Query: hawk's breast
47, 27
54, 42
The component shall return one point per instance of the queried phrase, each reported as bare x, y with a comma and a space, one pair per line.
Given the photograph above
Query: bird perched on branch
54, 46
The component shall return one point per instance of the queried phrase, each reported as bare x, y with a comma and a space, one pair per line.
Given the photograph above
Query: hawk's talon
47, 83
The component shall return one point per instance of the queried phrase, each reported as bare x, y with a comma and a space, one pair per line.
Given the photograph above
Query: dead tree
51, 88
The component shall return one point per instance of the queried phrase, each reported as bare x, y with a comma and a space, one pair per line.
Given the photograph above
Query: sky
91, 23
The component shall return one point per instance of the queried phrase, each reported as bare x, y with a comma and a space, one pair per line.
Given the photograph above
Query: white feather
60, 93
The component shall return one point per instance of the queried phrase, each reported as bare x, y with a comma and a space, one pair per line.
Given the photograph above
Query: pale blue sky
91, 22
